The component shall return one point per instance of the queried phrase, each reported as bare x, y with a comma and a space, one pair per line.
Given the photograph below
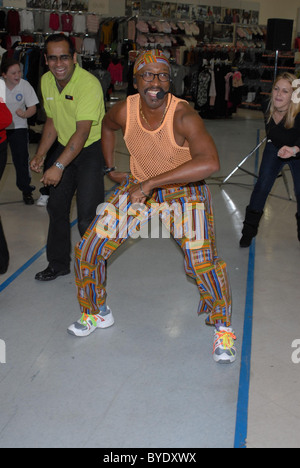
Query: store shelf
279, 68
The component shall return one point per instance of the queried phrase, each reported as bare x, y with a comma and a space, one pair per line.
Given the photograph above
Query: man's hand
136, 195
140, 192
52, 176
37, 163
118, 177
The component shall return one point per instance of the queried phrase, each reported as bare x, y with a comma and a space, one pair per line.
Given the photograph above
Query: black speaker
279, 34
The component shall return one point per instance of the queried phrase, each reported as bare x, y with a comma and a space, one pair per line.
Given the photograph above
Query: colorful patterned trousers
187, 214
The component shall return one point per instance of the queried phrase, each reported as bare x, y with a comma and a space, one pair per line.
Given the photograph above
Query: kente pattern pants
187, 213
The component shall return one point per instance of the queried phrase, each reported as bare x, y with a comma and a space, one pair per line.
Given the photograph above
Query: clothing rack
28, 44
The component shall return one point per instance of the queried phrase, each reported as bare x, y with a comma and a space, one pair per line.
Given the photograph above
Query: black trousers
271, 166
3, 157
4, 254
49, 161
18, 142
84, 175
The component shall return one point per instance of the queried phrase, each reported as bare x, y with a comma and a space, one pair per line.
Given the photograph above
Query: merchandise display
219, 66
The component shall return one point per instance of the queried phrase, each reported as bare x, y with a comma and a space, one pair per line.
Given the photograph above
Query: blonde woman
282, 119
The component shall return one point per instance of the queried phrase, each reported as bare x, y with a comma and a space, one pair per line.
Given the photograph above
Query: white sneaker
88, 323
224, 350
43, 200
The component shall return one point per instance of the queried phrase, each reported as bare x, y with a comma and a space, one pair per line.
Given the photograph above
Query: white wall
275, 9
268, 8
107, 7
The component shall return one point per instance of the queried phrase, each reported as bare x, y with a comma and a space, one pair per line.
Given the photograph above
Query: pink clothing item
54, 21
92, 23
237, 79
67, 22
116, 72
142, 26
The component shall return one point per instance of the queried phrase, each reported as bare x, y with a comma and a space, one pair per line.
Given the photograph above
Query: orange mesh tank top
152, 152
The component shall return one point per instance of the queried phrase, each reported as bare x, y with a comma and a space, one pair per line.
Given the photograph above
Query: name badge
70, 98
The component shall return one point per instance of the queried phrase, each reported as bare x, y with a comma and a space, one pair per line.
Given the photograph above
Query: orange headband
150, 56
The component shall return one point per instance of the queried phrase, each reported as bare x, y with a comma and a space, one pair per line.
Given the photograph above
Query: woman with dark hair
282, 118
21, 100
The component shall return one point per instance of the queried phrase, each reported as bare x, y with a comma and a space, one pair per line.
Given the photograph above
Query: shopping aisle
150, 380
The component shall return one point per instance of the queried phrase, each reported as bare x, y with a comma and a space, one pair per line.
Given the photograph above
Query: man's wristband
59, 165
107, 170
141, 189
295, 151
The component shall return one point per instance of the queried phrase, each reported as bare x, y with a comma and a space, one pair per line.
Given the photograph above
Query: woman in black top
282, 119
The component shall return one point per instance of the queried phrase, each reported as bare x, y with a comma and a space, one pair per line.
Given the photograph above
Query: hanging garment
32, 60
66, 22
2, 19
106, 32
212, 88
26, 20
131, 30
54, 21
13, 22
104, 78
92, 23
228, 85
116, 72
38, 20
179, 72
204, 79
220, 104
89, 46
78, 44
79, 23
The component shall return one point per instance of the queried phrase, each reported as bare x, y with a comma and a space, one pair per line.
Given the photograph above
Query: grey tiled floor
150, 381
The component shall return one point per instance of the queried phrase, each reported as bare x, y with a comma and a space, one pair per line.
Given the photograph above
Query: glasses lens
148, 76
62, 58
164, 77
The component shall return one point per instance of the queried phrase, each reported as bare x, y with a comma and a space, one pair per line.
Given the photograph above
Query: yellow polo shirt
81, 99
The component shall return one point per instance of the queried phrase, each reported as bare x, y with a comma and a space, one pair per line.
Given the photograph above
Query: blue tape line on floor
243, 395
241, 427
26, 265
20, 270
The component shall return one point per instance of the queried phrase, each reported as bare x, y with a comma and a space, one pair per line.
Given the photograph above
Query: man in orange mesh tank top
171, 154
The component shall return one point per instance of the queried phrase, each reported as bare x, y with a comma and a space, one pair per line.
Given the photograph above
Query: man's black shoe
28, 199
50, 274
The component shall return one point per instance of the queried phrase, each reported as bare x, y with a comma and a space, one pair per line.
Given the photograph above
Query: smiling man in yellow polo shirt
74, 105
